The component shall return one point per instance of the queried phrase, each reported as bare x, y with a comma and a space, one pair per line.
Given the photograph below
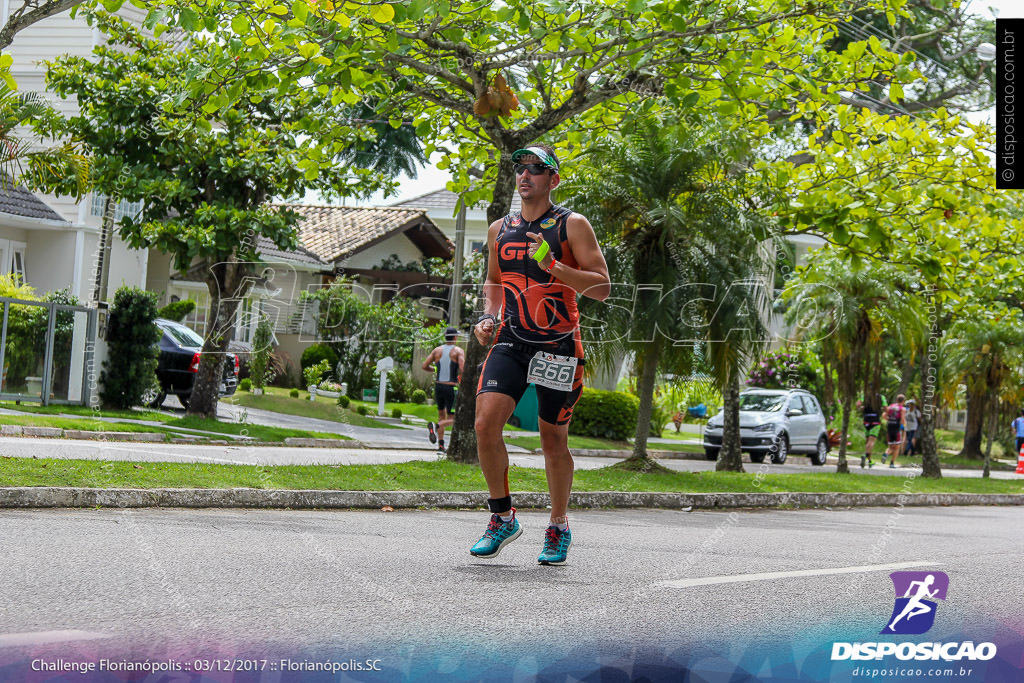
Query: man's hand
484, 331
532, 249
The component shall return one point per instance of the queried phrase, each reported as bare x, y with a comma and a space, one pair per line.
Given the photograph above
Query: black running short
444, 396
504, 372
894, 432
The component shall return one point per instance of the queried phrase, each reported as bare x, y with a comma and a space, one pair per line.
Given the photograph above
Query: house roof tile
17, 201
446, 199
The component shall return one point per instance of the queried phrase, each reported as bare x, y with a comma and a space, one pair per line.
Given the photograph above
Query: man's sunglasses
534, 169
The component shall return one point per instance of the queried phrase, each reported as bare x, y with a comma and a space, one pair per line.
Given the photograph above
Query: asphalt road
401, 586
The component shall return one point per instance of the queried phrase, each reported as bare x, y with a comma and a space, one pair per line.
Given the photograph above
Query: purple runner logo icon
916, 592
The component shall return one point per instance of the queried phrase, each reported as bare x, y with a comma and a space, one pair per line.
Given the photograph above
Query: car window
796, 403
762, 403
183, 335
810, 405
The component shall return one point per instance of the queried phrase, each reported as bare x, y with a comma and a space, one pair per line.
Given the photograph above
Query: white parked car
775, 422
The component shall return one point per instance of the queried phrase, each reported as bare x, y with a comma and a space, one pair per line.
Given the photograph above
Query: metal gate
47, 352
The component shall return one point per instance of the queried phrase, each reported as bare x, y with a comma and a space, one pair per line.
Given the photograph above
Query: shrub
177, 310
245, 385
362, 410
344, 400
294, 393
260, 368
130, 369
317, 353
605, 415
396, 413
419, 396
401, 385
314, 373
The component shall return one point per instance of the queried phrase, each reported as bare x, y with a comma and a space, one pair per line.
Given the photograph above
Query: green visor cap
546, 158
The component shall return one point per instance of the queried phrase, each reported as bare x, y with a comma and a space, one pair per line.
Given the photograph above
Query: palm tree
24, 161
389, 150
850, 309
981, 353
660, 199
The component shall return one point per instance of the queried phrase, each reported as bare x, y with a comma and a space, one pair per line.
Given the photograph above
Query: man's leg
442, 421
492, 412
558, 464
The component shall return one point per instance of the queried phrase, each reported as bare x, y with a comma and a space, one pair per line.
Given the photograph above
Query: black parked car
180, 348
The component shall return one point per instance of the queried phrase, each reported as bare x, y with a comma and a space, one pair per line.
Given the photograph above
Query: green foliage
314, 373
396, 413
260, 368
362, 410
294, 393
344, 400
318, 353
605, 414
245, 385
786, 369
361, 333
177, 310
130, 369
419, 397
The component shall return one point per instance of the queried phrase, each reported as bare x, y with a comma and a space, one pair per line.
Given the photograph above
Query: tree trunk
227, 276
907, 373
843, 467
645, 390
975, 423
730, 458
462, 446
462, 442
926, 442
992, 423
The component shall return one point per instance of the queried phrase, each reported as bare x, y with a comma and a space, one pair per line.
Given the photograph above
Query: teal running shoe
498, 535
556, 546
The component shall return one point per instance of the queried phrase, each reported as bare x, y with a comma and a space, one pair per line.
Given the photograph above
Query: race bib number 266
551, 371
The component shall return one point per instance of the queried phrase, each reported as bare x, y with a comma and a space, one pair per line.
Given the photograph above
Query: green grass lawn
448, 476
84, 411
278, 400
83, 424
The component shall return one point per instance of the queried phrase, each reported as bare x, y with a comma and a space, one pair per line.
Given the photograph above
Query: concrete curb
59, 433
61, 497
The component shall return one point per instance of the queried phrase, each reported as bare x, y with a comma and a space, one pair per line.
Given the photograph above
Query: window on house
12, 259
199, 315
476, 247
123, 208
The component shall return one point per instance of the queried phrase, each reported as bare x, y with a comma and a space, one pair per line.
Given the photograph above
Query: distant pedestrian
913, 421
871, 410
896, 426
1018, 430
450, 359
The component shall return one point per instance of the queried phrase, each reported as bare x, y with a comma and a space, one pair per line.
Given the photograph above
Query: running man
896, 424
1018, 430
914, 606
450, 359
872, 426
539, 259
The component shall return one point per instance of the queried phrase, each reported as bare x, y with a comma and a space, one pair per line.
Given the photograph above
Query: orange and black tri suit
539, 314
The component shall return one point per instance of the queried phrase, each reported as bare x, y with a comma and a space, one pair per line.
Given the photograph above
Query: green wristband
542, 251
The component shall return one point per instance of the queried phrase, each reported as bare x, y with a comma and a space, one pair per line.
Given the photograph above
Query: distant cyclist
450, 359
539, 260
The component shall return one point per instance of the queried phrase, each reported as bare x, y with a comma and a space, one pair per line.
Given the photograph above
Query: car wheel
711, 453
757, 457
820, 456
157, 400
781, 450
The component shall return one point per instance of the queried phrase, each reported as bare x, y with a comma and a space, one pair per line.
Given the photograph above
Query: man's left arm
591, 277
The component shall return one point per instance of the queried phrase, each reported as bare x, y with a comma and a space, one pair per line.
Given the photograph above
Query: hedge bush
362, 410
344, 400
245, 385
605, 415
176, 311
316, 353
396, 413
419, 396
294, 393
130, 369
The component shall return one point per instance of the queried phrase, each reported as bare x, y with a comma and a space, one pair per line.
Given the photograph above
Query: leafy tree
849, 309
496, 78
260, 369
130, 369
664, 205
206, 186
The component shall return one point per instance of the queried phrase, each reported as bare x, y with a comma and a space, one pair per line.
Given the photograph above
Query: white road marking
38, 638
768, 576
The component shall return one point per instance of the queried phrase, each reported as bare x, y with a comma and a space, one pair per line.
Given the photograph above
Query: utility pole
455, 298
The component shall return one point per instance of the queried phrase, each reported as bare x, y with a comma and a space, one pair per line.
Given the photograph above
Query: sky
431, 178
